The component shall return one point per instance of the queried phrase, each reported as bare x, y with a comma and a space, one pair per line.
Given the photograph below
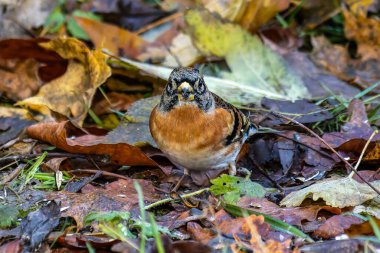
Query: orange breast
186, 132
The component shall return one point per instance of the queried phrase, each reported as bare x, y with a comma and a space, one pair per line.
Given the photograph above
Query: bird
196, 129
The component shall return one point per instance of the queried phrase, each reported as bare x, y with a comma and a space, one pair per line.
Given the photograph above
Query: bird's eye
200, 87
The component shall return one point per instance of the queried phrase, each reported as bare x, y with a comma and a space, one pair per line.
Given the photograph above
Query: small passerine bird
195, 128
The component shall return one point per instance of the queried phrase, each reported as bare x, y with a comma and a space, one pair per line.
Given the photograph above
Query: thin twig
167, 200
327, 145
105, 173
363, 151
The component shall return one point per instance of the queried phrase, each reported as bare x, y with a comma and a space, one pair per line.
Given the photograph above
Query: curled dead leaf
65, 136
71, 94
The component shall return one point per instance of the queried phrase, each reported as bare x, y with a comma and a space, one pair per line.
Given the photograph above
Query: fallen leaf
115, 101
199, 233
12, 127
71, 94
62, 135
360, 28
250, 61
18, 18
335, 58
289, 154
113, 38
232, 188
371, 207
350, 245
315, 13
250, 15
256, 243
25, 66
135, 129
22, 82
341, 192
316, 79
290, 215
116, 196
336, 225
37, 225
12, 246
354, 133
228, 225
129, 14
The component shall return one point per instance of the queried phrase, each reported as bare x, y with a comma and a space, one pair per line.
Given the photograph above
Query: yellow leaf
251, 62
71, 94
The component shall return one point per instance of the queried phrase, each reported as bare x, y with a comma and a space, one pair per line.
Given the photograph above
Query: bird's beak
185, 92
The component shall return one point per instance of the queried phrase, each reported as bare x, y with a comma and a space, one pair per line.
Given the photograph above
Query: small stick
167, 200
363, 151
105, 173
327, 145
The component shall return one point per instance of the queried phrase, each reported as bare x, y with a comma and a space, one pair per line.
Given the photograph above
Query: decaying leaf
341, 192
232, 188
364, 68
25, 66
62, 135
354, 133
249, 14
116, 196
71, 94
250, 61
135, 129
371, 207
336, 225
113, 38
291, 215
38, 224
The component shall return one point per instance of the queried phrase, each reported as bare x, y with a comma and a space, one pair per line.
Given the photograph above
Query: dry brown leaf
71, 94
62, 135
21, 82
116, 196
291, 215
336, 225
251, 227
117, 40
355, 133
361, 28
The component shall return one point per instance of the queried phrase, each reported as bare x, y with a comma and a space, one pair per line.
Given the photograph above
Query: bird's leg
232, 169
178, 184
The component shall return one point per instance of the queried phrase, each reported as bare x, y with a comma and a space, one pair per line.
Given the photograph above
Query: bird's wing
242, 126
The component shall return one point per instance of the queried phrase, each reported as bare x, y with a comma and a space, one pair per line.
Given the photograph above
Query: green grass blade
369, 89
273, 222
375, 227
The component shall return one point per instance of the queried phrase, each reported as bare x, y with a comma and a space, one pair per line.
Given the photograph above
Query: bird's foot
244, 172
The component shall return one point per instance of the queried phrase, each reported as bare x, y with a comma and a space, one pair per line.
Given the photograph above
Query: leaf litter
84, 127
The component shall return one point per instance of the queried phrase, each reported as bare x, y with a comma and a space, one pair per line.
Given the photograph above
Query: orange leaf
113, 38
57, 135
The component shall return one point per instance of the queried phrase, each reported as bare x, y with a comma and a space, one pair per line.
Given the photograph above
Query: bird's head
185, 87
